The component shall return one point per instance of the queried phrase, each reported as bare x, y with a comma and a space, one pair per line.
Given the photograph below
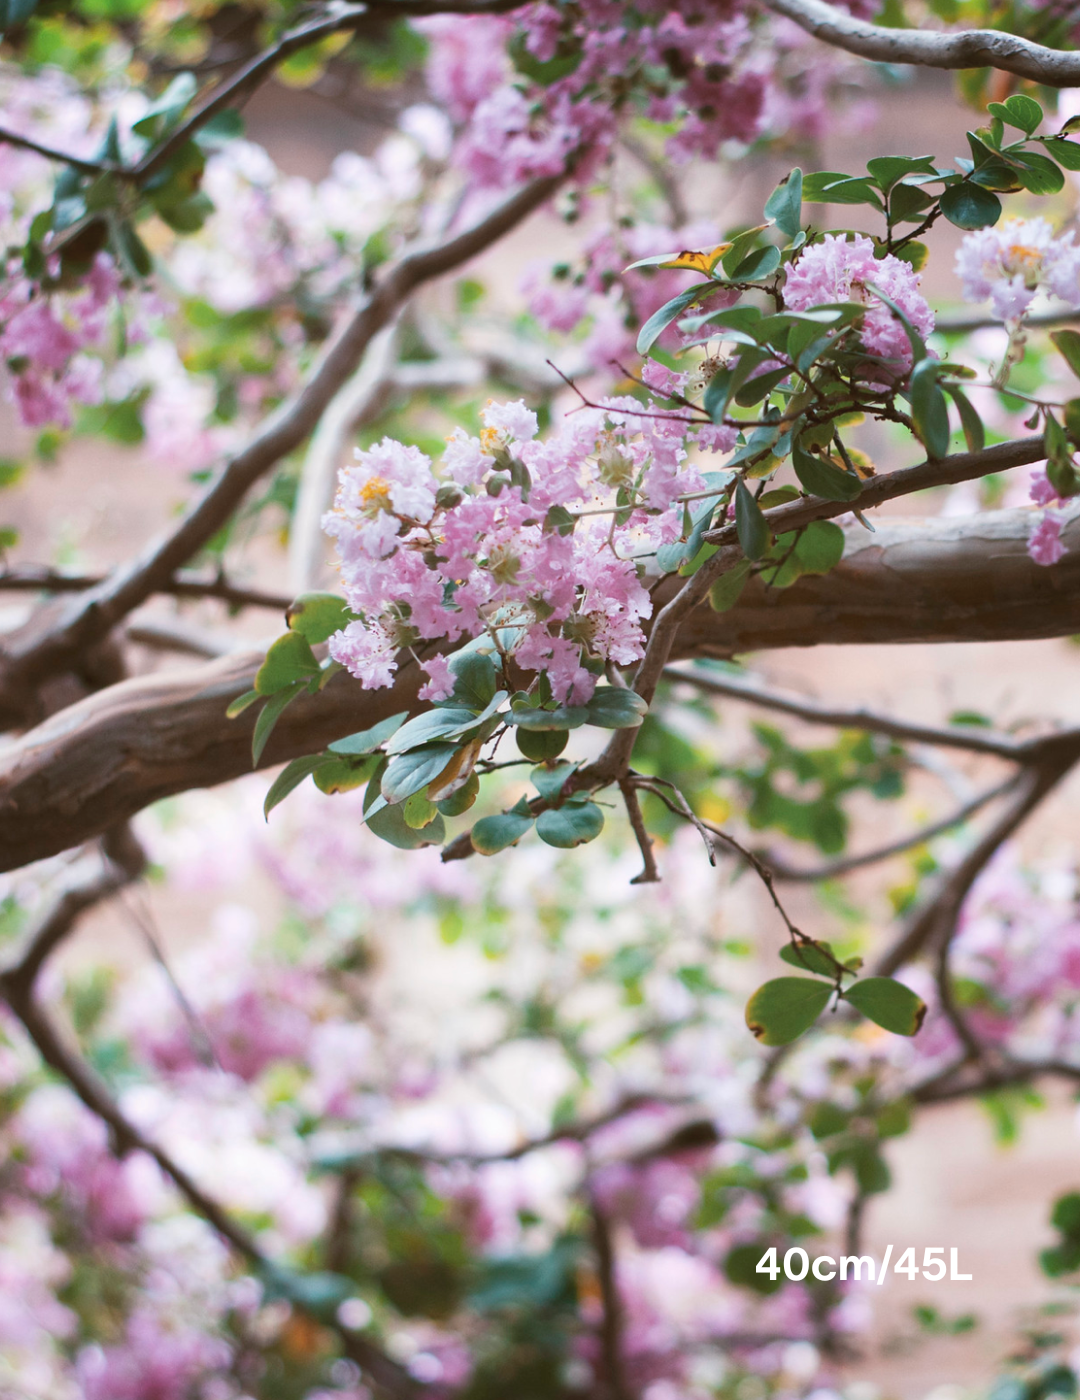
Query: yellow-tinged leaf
456, 773
704, 261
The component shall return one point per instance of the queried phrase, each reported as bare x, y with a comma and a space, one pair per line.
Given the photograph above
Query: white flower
514, 419
1010, 263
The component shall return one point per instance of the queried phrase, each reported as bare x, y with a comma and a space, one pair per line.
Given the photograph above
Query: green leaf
291, 776
888, 171
559, 520
972, 424
462, 799
784, 205
820, 547
823, 478
1068, 344
929, 409
611, 707
969, 206
1060, 468
781, 1010
549, 782
336, 774
289, 659
888, 1003
475, 678
829, 187
541, 745
418, 810
750, 524
1065, 152
1036, 173
740, 1268
659, 321
368, 740
762, 262
1072, 420
727, 589
760, 387
389, 825
409, 772
444, 722
493, 834
809, 957
736, 318
1019, 111
268, 717
718, 393
317, 616
561, 717
241, 703
571, 825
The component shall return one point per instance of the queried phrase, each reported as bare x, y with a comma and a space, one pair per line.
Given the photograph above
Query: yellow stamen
375, 494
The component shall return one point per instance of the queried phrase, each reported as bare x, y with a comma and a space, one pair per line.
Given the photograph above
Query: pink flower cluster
704, 73
427, 559
43, 339
1010, 263
839, 268
1045, 545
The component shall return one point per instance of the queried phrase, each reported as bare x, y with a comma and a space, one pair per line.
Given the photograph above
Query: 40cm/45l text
797, 1266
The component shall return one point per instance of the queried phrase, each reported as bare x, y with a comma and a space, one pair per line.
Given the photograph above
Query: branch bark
100, 761
973, 48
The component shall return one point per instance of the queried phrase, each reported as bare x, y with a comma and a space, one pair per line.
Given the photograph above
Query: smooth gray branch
923, 48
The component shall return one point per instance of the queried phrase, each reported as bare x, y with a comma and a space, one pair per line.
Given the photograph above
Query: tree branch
793, 874
98, 762
973, 48
611, 1316
31, 578
958, 737
935, 920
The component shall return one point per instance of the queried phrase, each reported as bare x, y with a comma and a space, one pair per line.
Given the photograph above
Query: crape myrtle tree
273, 1170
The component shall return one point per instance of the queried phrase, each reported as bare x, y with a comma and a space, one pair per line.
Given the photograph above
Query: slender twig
28, 578
80, 163
794, 875
935, 920
88, 884
970, 737
649, 873
965, 325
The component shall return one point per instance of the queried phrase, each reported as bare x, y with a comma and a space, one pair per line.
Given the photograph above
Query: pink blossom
441, 681
1041, 490
838, 269
716, 438
661, 379
1045, 545
513, 419
1010, 263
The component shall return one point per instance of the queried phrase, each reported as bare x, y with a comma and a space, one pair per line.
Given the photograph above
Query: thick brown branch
100, 761
48, 641
973, 48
